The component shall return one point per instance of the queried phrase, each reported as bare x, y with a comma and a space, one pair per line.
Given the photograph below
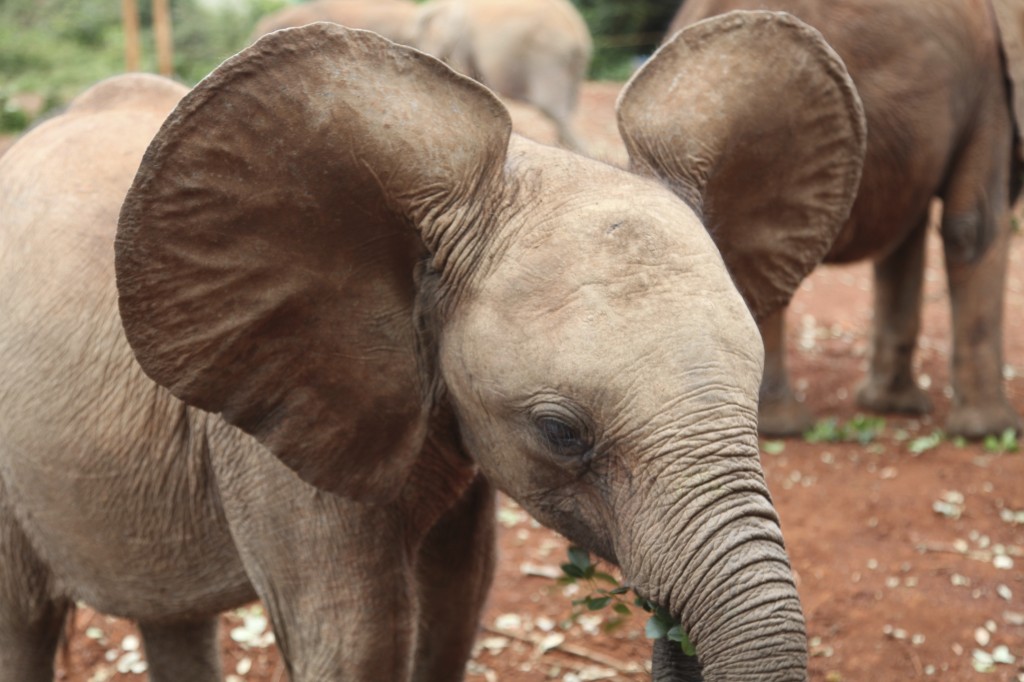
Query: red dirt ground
892, 589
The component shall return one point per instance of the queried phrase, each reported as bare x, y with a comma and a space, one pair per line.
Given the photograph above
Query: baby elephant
358, 306
394, 19
943, 89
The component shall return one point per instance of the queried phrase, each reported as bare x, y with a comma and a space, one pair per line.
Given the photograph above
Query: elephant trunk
751, 628
720, 567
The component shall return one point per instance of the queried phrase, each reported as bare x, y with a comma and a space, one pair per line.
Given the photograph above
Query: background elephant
393, 19
935, 83
539, 98
334, 244
536, 51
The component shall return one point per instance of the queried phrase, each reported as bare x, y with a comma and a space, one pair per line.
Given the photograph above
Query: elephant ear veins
752, 117
1010, 18
266, 251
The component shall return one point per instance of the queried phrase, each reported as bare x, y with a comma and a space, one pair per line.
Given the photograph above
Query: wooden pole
162, 33
130, 20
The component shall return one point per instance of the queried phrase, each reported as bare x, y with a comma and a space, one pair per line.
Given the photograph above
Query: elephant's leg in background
779, 412
899, 278
31, 619
182, 651
334, 575
568, 137
553, 86
976, 240
456, 565
980, 406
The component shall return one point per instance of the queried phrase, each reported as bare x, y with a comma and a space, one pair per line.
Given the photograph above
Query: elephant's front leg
980, 406
337, 577
31, 615
456, 565
899, 277
779, 412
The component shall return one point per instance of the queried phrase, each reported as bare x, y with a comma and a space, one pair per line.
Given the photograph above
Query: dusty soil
892, 589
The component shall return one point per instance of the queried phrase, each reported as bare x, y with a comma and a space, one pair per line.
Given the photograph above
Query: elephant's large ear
1010, 17
752, 118
266, 251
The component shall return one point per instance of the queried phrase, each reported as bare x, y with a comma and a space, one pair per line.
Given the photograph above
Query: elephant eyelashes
564, 438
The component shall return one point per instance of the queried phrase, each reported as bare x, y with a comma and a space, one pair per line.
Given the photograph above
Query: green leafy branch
603, 590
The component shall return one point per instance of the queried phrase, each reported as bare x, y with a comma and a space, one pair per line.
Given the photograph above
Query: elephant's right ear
753, 119
266, 250
1010, 18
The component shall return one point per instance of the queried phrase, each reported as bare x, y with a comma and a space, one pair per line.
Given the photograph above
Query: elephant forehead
678, 324
574, 211
606, 299
622, 251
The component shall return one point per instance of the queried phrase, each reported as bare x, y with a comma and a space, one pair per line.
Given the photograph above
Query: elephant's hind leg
980, 406
31, 616
976, 240
554, 90
899, 278
182, 651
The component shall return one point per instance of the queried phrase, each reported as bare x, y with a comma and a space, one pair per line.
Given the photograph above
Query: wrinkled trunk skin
746, 624
716, 561
742, 612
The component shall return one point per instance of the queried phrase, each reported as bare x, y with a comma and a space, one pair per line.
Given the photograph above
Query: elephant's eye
564, 438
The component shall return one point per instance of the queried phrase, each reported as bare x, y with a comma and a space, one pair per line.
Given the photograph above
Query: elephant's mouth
673, 658
670, 664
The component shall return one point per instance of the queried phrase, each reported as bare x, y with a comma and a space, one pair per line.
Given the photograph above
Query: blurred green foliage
205, 38
53, 49
625, 32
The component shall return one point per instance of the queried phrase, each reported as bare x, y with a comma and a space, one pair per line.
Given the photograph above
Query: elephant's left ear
752, 118
267, 250
1010, 18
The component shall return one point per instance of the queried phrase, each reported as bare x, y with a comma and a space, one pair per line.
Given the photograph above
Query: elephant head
335, 238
